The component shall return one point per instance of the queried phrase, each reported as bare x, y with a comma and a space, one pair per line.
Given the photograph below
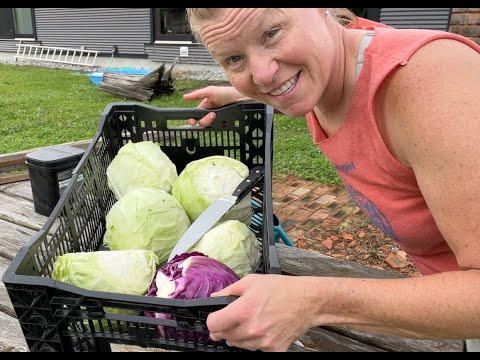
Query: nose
263, 69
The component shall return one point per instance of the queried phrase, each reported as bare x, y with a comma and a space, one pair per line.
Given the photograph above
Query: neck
336, 99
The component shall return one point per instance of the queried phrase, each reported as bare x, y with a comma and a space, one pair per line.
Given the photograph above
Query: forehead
230, 23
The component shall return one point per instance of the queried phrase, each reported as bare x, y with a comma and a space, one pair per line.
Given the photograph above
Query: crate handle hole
190, 146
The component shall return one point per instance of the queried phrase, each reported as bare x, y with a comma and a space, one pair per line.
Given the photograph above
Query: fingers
198, 94
243, 344
227, 320
235, 289
207, 120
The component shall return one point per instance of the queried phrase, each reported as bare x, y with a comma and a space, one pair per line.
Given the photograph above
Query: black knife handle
247, 184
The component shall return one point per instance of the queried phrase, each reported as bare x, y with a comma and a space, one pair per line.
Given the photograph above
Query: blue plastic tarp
97, 76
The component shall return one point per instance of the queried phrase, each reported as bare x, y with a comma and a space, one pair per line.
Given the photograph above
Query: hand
212, 97
269, 315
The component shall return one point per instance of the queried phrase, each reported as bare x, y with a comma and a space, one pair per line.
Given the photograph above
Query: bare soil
355, 239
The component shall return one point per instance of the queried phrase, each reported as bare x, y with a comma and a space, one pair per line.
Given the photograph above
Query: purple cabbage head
189, 276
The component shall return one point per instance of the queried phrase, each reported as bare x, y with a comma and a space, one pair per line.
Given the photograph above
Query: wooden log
127, 86
299, 262
138, 87
399, 344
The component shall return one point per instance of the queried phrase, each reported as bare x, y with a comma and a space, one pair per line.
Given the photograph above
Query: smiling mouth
286, 87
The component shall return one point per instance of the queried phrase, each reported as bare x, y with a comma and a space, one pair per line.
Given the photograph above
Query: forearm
446, 305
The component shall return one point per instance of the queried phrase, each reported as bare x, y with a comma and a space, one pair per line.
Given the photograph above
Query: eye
269, 35
233, 60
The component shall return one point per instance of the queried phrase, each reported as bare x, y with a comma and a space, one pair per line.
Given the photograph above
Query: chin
295, 112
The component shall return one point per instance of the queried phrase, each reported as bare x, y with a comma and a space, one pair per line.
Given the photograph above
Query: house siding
129, 29
420, 18
197, 54
11, 45
466, 22
95, 28
8, 45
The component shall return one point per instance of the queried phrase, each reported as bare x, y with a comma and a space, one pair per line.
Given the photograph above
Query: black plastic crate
55, 316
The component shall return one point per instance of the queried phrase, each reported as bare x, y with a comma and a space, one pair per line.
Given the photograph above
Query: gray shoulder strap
361, 51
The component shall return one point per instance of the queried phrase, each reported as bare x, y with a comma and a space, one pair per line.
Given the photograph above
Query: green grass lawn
43, 107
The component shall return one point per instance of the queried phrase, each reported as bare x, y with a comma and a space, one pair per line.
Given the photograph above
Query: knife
215, 211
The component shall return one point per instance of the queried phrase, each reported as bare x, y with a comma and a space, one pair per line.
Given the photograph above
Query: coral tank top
384, 189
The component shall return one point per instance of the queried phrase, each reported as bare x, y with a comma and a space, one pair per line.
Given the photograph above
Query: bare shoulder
439, 84
432, 109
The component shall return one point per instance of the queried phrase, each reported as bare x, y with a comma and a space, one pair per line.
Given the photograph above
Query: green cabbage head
207, 179
234, 244
124, 272
138, 165
146, 219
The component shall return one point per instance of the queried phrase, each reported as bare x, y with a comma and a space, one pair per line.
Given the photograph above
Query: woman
401, 107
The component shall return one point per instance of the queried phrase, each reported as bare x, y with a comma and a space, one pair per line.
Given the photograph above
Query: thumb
235, 289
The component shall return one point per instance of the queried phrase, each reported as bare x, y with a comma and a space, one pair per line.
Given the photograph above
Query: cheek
241, 82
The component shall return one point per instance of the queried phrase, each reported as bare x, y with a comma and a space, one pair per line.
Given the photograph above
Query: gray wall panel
197, 54
95, 28
421, 18
11, 45
8, 45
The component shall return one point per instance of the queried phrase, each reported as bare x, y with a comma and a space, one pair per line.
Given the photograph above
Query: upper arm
434, 106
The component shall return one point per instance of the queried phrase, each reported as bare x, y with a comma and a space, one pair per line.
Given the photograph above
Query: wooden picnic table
18, 222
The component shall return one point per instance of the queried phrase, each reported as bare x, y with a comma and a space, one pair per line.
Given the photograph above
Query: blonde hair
195, 17
343, 16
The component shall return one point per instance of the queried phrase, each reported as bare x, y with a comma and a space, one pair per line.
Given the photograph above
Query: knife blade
215, 211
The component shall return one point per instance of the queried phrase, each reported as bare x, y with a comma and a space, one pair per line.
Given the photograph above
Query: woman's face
282, 57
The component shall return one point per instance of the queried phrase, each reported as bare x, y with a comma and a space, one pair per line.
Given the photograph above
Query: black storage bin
50, 170
56, 316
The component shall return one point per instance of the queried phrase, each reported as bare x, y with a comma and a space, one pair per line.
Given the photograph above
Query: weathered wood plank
294, 261
21, 189
12, 237
132, 348
21, 212
7, 178
323, 340
11, 336
5, 303
393, 343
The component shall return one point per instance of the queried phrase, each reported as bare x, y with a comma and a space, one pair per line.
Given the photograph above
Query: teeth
285, 87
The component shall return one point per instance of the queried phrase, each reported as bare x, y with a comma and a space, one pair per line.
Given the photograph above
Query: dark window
171, 25
362, 12
16, 23
23, 22
367, 13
